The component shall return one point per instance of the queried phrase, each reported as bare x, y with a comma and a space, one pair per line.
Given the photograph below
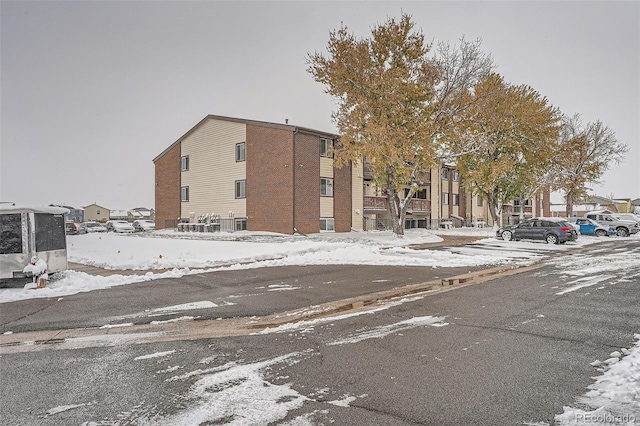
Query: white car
628, 216
144, 225
119, 226
89, 227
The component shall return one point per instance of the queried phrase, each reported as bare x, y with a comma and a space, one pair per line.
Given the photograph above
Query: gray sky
91, 92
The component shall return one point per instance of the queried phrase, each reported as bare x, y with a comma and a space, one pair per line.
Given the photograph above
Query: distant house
118, 215
75, 214
94, 212
141, 213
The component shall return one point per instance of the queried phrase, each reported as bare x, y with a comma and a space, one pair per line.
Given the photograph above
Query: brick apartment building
281, 178
263, 176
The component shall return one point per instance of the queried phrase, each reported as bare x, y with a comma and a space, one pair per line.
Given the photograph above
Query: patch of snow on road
63, 408
154, 355
616, 393
185, 307
584, 282
385, 330
239, 395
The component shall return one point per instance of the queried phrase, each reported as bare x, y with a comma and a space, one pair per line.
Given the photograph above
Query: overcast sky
93, 91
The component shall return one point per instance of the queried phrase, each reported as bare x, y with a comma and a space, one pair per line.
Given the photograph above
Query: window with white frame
184, 194
444, 173
240, 151
480, 202
241, 189
456, 175
184, 163
326, 147
241, 224
445, 198
327, 224
456, 199
326, 187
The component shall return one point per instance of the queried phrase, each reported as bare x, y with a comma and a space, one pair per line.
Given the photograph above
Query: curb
362, 302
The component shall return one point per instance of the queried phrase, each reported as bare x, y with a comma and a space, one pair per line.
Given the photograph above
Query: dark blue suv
551, 231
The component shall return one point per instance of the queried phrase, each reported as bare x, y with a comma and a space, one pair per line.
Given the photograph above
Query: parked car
144, 225
624, 228
628, 216
551, 231
70, 228
119, 226
591, 227
90, 227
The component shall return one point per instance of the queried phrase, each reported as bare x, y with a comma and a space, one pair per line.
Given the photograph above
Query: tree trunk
494, 210
396, 208
569, 204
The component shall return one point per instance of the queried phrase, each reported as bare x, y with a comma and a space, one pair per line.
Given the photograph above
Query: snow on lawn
169, 254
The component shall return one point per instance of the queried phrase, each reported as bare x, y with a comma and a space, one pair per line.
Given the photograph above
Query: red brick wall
269, 182
307, 183
342, 198
167, 169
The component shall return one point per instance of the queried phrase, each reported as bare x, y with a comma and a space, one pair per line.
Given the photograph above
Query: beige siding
326, 171
213, 169
326, 167
357, 194
326, 207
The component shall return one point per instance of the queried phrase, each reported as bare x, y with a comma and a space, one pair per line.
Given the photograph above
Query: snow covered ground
169, 254
615, 394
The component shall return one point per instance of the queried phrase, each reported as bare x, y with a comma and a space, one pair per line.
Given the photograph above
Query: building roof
280, 126
94, 204
22, 208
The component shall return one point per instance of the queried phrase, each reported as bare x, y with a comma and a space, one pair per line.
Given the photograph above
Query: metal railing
219, 225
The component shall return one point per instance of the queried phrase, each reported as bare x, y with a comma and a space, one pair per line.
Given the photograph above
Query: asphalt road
510, 351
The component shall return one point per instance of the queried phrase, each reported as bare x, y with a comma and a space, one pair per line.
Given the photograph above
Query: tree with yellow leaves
395, 103
514, 132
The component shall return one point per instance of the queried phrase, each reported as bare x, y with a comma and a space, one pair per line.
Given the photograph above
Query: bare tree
586, 153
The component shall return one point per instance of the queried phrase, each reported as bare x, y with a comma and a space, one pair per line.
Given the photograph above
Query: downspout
294, 166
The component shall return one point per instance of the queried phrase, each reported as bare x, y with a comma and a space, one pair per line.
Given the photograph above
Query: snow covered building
237, 174
258, 176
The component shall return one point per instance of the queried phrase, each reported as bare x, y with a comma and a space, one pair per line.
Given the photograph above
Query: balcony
379, 204
418, 205
374, 203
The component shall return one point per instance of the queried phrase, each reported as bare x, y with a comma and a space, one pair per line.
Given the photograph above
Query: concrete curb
363, 302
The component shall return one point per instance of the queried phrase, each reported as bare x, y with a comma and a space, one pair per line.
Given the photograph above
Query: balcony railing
420, 205
379, 203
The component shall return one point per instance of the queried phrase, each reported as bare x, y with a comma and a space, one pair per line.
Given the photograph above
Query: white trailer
27, 231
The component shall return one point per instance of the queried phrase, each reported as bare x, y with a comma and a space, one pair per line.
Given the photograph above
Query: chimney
286, 121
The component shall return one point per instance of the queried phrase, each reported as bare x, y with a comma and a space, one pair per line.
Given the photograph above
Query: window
456, 175
445, 198
241, 189
184, 194
327, 224
456, 199
326, 187
11, 233
444, 173
240, 151
50, 232
420, 193
480, 202
326, 147
241, 224
184, 163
